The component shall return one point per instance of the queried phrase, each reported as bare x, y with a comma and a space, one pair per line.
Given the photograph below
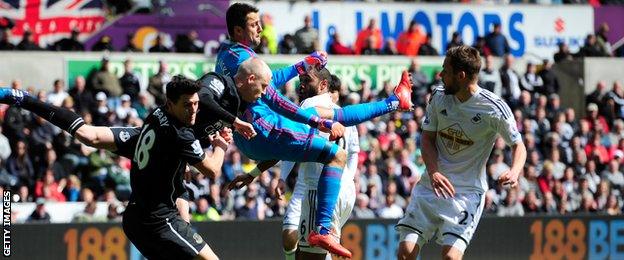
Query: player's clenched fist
244, 128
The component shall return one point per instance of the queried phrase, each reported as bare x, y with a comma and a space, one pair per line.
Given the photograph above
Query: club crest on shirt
455, 139
198, 238
476, 119
124, 136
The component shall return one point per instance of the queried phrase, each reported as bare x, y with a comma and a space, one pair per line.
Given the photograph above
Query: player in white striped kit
462, 122
316, 88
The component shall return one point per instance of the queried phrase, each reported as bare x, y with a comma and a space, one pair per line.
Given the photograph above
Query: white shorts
293, 211
342, 211
451, 221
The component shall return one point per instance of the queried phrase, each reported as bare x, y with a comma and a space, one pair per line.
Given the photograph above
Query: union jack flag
52, 20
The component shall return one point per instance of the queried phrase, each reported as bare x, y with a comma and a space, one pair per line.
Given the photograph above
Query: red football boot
403, 91
328, 243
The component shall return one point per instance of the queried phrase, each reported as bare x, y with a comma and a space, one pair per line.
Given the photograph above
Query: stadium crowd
574, 164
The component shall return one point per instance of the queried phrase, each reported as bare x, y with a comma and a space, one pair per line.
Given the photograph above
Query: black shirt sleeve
126, 139
190, 149
209, 96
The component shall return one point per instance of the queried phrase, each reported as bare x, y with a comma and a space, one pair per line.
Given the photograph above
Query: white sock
290, 255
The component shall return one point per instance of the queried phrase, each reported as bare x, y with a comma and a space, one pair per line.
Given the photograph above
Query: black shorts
172, 238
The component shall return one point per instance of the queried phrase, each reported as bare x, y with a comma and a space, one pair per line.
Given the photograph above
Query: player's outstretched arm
519, 155
440, 184
96, 136
243, 180
317, 59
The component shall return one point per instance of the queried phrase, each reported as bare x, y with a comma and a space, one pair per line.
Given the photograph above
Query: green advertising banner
350, 70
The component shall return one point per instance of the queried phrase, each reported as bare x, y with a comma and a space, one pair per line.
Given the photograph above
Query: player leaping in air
280, 123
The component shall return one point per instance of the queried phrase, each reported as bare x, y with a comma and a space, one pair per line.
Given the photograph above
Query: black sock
61, 117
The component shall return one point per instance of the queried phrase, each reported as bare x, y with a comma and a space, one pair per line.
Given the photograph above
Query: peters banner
530, 29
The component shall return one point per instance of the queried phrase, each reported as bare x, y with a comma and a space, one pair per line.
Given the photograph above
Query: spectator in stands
268, 31
614, 102
126, 111
419, 81
531, 81
307, 37
613, 206
482, 47
510, 79
104, 44
72, 190
263, 47
158, 82
594, 117
613, 174
497, 42
602, 40
551, 84
28, 43
427, 49
361, 210
409, 41
159, 46
40, 214
50, 162
143, 106
48, 188
129, 81
549, 206
83, 98
88, 214
104, 80
130, 47
456, 40
563, 54
489, 77
339, 48
194, 44
598, 94
205, 212
591, 48
101, 110
20, 166
369, 47
58, 93
390, 210
370, 37
287, 45
251, 210
5, 43
70, 44
511, 206
389, 47
531, 203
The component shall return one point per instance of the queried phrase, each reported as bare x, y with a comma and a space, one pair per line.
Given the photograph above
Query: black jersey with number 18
159, 157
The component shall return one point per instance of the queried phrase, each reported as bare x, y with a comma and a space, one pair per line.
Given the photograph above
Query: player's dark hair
236, 15
465, 58
179, 86
334, 84
323, 74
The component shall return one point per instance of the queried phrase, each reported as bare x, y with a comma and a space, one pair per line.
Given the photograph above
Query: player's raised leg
356, 114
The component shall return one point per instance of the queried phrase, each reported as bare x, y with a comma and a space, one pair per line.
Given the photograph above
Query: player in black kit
159, 153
